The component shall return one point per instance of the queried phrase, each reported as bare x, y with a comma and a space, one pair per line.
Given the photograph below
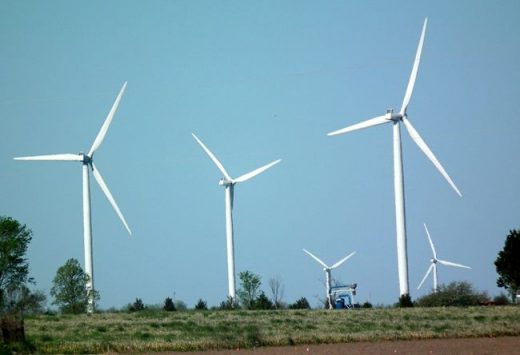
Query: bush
201, 305
501, 300
367, 305
302, 303
262, 302
228, 305
138, 305
168, 305
181, 305
459, 294
405, 301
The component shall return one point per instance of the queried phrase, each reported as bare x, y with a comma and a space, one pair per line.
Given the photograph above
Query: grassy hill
201, 330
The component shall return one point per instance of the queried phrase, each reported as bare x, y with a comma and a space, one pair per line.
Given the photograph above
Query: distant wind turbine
327, 270
396, 119
434, 262
229, 185
87, 161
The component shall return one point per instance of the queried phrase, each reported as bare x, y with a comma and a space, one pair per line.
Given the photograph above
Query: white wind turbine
434, 262
229, 185
396, 119
87, 161
327, 270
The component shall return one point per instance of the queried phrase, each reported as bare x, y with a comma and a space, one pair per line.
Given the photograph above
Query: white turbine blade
449, 263
342, 260
255, 172
365, 124
431, 242
62, 157
413, 75
427, 151
213, 157
426, 275
109, 196
316, 258
106, 124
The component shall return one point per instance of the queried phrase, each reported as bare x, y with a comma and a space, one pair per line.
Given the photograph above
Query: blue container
340, 303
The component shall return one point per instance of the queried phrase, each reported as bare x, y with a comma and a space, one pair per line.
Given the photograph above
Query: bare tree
277, 290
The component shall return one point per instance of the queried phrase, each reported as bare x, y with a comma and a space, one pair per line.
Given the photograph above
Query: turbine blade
342, 260
413, 75
365, 124
213, 157
255, 172
57, 157
425, 276
427, 151
316, 258
449, 263
431, 243
104, 128
109, 196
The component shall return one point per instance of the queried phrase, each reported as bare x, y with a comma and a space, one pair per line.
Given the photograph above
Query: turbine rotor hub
86, 159
225, 182
391, 116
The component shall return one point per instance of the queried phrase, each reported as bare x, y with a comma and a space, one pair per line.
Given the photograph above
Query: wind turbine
229, 185
327, 270
396, 119
434, 262
87, 161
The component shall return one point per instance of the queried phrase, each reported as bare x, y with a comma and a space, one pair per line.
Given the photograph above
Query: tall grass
203, 330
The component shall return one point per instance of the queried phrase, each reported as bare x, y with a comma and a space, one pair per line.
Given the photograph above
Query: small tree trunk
12, 329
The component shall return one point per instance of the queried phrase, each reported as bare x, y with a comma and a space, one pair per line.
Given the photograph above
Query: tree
201, 305
168, 305
508, 264
15, 297
405, 301
302, 303
69, 288
262, 302
138, 305
14, 240
249, 287
277, 290
459, 294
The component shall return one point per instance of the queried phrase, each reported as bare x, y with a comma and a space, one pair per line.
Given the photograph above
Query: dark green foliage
501, 300
367, 305
228, 305
459, 294
24, 301
168, 305
69, 288
249, 287
137, 306
508, 264
201, 305
302, 303
405, 301
262, 302
14, 240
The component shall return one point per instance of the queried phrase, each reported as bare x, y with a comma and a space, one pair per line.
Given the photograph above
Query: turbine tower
229, 185
327, 270
434, 262
88, 162
396, 119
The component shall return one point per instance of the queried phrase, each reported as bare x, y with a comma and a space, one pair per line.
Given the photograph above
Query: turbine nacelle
85, 158
433, 261
225, 182
391, 116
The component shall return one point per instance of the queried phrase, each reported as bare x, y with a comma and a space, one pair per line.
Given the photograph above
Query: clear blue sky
258, 81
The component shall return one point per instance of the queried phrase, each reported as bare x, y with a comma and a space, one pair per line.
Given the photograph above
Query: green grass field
202, 330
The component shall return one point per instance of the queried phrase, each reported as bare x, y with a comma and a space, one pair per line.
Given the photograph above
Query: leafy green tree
69, 288
459, 294
249, 287
302, 303
508, 264
262, 302
14, 267
169, 306
201, 305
